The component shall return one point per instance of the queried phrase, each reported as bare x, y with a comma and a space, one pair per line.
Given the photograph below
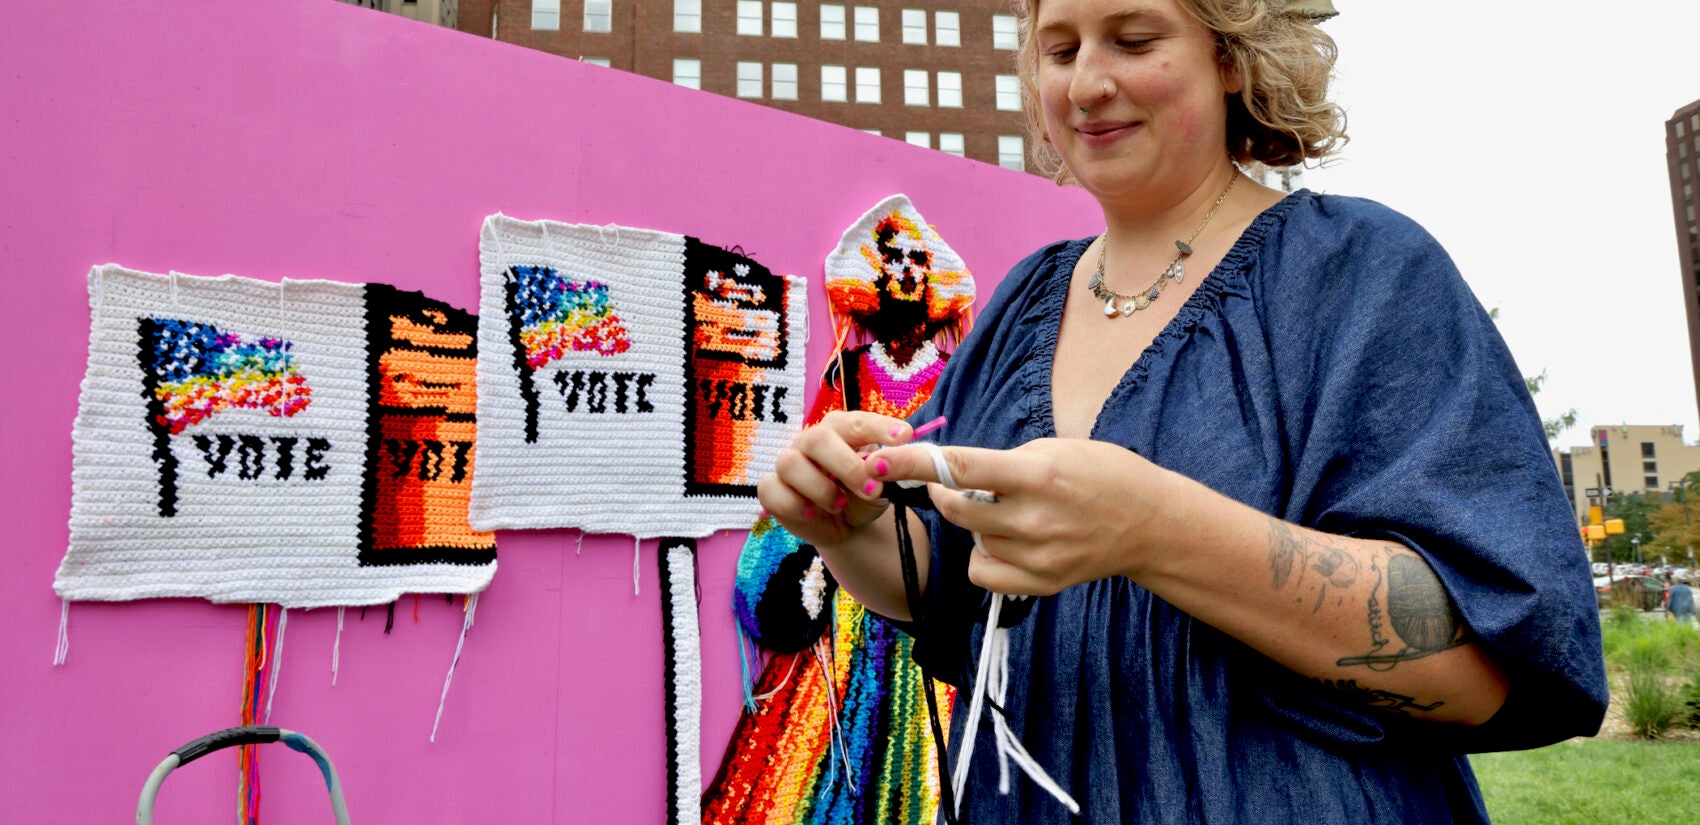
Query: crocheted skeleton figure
836, 729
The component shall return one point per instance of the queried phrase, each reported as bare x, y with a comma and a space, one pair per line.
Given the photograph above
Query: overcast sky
1529, 138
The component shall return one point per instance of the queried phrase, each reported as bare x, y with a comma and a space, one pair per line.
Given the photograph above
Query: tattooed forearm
1348, 691
1418, 609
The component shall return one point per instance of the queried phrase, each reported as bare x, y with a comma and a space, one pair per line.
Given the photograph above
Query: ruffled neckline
1228, 276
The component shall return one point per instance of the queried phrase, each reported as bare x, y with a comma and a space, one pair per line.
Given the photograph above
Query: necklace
1176, 270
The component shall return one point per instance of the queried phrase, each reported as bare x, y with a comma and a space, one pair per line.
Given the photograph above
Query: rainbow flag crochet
304, 443
660, 368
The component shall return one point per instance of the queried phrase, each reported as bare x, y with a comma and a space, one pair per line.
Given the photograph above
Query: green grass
1592, 782
1604, 781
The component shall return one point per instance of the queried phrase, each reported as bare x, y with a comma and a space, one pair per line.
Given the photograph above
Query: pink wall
303, 138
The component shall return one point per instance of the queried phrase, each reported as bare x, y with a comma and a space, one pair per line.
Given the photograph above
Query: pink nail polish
838, 504
869, 488
897, 431
881, 468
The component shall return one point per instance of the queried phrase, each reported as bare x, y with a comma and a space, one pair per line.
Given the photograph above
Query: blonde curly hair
1282, 115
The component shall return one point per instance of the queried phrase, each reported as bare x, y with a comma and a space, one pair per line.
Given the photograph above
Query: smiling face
1154, 95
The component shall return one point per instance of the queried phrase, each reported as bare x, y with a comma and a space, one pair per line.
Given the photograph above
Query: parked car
1642, 592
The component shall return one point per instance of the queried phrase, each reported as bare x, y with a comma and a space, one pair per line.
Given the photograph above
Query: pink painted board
307, 138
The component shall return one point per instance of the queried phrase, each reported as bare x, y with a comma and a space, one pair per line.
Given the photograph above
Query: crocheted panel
308, 443
891, 249
634, 381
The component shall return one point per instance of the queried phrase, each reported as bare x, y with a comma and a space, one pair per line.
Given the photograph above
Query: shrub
1652, 702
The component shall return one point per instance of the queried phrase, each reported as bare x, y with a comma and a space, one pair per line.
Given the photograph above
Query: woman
1300, 540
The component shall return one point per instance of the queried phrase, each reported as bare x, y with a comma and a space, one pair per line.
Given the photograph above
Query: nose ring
1082, 109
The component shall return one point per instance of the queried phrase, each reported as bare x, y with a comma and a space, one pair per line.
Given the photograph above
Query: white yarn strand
995, 645
62, 646
276, 662
336, 649
579, 545
637, 555
471, 609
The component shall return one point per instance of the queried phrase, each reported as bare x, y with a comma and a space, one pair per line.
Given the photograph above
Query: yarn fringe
336, 649
258, 681
471, 610
62, 645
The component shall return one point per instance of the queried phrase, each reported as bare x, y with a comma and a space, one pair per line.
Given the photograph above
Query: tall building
436, 12
1627, 458
1682, 154
935, 74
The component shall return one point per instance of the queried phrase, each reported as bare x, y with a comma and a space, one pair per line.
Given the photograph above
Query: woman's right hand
822, 489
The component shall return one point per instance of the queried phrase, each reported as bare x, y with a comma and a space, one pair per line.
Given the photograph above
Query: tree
1636, 510
1676, 525
1564, 421
1553, 426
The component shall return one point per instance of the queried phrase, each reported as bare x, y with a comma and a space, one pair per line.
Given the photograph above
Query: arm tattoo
1284, 548
1288, 549
1348, 691
1418, 609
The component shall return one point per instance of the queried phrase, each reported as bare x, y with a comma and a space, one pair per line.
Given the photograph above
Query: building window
834, 84
867, 24
831, 22
687, 72
784, 19
1010, 150
1694, 122
874, 132
749, 17
951, 143
921, 139
947, 28
1652, 483
546, 15
915, 88
596, 61
915, 26
867, 85
1649, 467
950, 90
749, 79
598, 15
1679, 129
784, 81
1003, 31
1647, 449
687, 16
1009, 93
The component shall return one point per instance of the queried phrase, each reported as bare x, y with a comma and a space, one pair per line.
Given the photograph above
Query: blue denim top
1334, 371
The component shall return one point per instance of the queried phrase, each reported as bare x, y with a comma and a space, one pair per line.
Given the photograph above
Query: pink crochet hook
929, 427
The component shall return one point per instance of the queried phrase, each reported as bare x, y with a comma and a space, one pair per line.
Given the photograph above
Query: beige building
1626, 458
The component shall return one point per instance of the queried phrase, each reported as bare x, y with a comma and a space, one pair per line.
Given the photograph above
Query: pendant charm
1140, 302
1110, 307
1181, 245
1128, 309
1177, 270
1096, 282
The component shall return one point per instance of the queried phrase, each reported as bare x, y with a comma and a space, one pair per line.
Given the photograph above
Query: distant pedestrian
1679, 603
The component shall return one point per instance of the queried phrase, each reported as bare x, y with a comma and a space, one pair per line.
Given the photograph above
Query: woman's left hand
1062, 511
